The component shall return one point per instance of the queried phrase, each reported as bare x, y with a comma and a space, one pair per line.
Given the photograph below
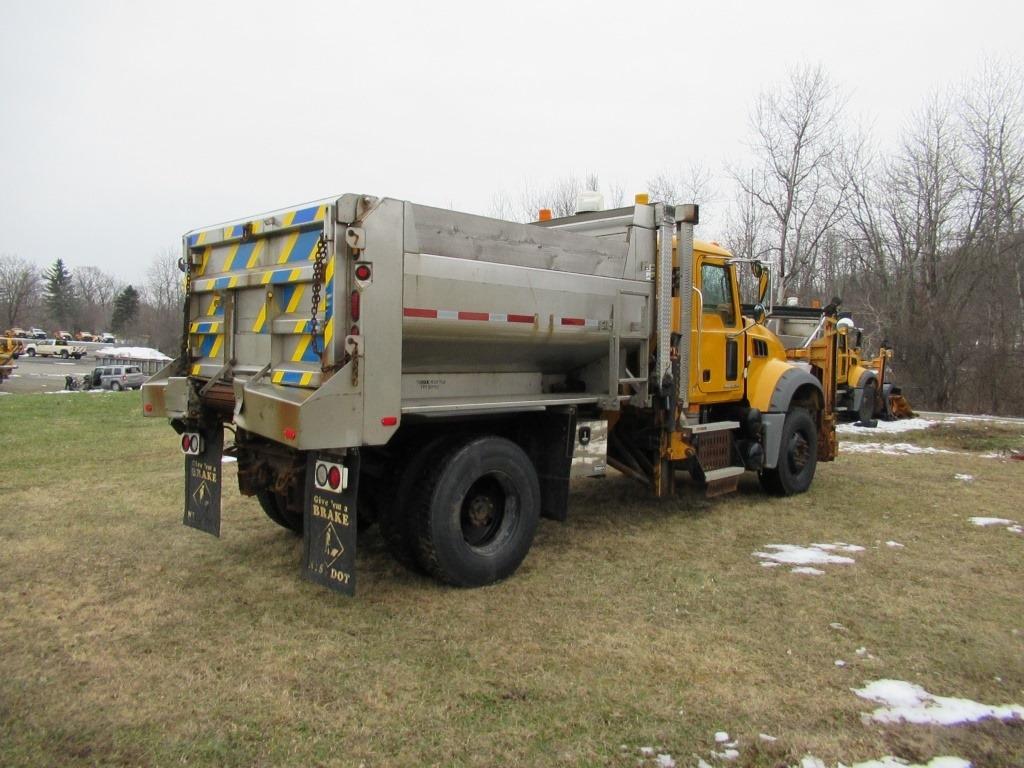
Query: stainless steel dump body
454, 314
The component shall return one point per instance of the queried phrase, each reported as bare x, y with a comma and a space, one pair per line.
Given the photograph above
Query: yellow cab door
716, 350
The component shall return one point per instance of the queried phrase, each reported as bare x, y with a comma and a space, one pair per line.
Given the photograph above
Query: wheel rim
487, 509
798, 452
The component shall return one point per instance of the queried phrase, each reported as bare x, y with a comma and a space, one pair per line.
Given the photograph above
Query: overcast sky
126, 124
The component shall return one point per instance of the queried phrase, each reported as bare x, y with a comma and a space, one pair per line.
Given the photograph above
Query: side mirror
759, 313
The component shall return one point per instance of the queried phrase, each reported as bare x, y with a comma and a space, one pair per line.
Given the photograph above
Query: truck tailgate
251, 297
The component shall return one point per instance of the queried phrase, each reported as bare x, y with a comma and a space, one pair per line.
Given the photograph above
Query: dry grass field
126, 639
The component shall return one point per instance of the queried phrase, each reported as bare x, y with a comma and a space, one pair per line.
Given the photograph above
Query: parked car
115, 377
62, 336
16, 333
107, 338
85, 336
37, 333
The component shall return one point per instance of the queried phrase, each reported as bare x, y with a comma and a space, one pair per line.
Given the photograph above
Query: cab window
717, 292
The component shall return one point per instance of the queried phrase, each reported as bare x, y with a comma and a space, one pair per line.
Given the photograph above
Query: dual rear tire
465, 510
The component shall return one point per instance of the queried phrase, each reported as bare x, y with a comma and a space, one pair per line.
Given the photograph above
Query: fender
858, 392
785, 388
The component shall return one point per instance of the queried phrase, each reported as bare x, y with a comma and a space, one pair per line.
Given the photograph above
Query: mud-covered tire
476, 512
798, 456
277, 510
394, 500
868, 400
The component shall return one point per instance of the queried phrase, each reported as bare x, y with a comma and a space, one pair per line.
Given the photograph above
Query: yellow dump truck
447, 374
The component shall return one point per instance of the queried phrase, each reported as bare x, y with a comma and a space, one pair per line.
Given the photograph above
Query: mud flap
329, 523
203, 484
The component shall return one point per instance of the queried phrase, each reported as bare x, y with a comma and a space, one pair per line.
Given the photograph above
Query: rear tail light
354, 305
191, 443
363, 272
329, 476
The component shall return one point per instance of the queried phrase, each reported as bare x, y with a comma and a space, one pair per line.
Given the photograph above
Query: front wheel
31, 353
867, 402
798, 456
476, 512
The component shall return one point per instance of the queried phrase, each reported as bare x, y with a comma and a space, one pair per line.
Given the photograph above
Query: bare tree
694, 184
163, 302
95, 290
797, 139
19, 287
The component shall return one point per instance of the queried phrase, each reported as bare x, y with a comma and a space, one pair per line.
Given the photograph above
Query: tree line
59, 298
922, 240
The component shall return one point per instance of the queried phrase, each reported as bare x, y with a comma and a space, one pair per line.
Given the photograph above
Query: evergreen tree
126, 309
60, 294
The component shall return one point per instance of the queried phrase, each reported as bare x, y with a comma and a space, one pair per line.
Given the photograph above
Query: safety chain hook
319, 266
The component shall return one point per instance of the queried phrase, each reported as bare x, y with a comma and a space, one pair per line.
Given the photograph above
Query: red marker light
363, 272
334, 477
354, 305
148, 407
185, 443
389, 421
290, 433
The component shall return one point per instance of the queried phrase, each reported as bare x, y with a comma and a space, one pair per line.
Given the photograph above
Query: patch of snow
647, 751
807, 570
766, 737
721, 737
841, 546
888, 427
983, 521
227, 459
791, 554
1015, 528
961, 476
840, 663
764, 563
665, 761
132, 353
78, 392
909, 703
5, 393
895, 762
838, 626
862, 651
729, 754
702, 763
810, 761
894, 544
895, 449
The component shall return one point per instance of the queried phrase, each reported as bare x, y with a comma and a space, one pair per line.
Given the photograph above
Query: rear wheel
395, 519
798, 456
31, 353
477, 512
116, 386
277, 509
64, 354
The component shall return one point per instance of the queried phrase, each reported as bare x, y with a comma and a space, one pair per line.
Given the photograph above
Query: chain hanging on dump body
186, 267
319, 266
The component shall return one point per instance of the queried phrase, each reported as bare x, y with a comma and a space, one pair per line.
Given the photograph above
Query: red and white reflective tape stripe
451, 314
581, 322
